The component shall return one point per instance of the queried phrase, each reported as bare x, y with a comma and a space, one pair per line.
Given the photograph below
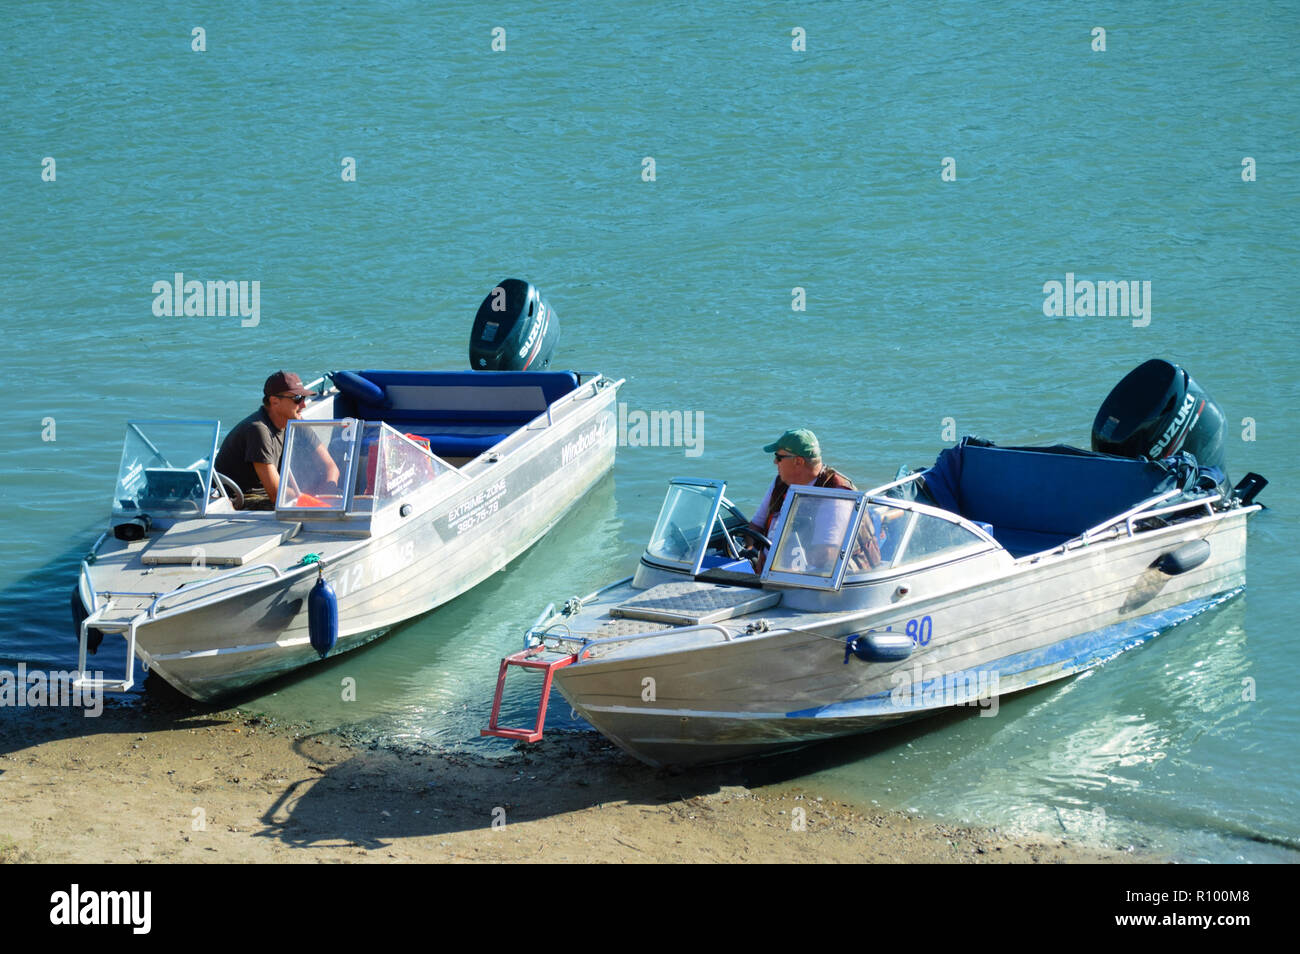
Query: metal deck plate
217, 542
692, 603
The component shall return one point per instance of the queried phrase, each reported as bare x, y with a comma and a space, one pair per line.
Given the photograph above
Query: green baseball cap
801, 442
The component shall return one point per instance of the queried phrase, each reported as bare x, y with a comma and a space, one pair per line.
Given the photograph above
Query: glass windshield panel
878, 539
166, 468
680, 533
932, 536
317, 459
813, 535
392, 466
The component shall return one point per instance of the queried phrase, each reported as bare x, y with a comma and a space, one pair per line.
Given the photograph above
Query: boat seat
1034, 499
461, 413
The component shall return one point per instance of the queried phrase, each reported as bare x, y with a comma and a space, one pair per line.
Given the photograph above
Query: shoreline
151, 783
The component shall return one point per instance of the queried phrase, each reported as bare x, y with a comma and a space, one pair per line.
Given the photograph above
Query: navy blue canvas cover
1060, 490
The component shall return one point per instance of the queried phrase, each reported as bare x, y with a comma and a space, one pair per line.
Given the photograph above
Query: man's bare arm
269, 477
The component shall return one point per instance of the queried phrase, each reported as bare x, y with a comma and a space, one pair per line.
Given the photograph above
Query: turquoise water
774, 169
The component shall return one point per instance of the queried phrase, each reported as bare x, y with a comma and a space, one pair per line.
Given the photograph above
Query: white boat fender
878, 647
323, 616
1187, 557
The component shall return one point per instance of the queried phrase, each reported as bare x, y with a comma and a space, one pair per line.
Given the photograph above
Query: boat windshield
681, 534
166, 468
816, 537
826, 536
909, 533
377, 467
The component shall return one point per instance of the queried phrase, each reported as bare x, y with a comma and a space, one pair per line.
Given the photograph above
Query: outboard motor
1156, 411
514, 330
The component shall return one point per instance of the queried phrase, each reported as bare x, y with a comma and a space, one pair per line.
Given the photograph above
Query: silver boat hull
233, 636
687, 700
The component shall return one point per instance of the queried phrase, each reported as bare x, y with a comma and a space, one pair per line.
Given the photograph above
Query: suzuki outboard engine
1156, 411
514, 330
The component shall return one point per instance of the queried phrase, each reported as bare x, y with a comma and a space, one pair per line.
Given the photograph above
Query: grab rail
85, 573
189, 588
877, 491
704, 627
1185, 505
1121, 517
299, 569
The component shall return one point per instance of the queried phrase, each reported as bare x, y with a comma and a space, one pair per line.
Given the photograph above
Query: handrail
1121, 517
85, 572
877, 491
674, 631
551, 618
189, 588
298, 569
1206, 502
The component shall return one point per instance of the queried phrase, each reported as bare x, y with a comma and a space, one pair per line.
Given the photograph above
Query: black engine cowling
514, 330
1156, 411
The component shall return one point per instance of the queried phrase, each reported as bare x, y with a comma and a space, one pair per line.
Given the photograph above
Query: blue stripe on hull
1065, 658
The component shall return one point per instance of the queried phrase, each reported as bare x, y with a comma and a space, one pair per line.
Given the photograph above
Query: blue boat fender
878, 647
323, 616
1187, 557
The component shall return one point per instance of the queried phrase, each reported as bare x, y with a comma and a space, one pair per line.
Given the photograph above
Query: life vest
829, 477
866, 549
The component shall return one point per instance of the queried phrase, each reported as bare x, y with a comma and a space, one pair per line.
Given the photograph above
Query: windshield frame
807, 580
206, 471
693, 564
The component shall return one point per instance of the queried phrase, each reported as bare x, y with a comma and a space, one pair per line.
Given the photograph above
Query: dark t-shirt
254, 440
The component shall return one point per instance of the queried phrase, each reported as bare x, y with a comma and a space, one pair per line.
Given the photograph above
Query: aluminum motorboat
991, 571
446, 477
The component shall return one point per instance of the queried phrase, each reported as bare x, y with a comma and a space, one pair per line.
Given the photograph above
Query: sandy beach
160, 782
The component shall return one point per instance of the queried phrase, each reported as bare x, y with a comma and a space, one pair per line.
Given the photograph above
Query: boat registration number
375, 568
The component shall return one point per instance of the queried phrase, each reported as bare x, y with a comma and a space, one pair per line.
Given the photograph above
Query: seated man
250, 454
797, 454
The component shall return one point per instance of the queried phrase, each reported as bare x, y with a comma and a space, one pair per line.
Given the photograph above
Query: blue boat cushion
462, 413
358, 388
1037, 498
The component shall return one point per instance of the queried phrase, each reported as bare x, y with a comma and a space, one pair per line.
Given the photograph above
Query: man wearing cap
250, 454
798, 457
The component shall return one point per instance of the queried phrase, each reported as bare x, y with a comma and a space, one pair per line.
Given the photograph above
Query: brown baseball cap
284, 382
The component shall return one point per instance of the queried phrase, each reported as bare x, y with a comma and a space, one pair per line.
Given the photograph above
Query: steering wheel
755, 536
232, 489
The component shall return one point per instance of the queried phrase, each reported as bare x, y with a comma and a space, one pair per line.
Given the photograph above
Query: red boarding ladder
524, 660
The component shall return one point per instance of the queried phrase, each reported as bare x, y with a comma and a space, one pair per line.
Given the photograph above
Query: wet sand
160, 782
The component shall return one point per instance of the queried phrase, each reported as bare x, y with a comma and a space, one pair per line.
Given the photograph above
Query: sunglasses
780, 457
295, 398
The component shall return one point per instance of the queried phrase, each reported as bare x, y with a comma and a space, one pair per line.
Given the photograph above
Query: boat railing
588, 389
536, 634
1206, 502
589, 644
85, 572
190, 588
1119, 518
1125, 523
878, 491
